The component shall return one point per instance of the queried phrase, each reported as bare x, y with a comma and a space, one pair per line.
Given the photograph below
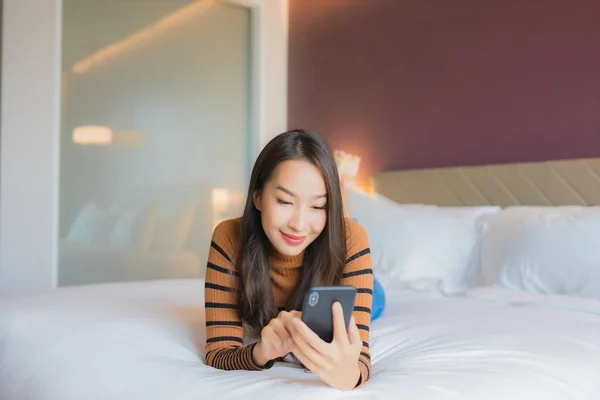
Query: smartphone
317, 311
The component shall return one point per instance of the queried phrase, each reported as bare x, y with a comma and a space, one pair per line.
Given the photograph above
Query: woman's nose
298, 220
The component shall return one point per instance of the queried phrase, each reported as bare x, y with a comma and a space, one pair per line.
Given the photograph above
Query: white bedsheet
143, 341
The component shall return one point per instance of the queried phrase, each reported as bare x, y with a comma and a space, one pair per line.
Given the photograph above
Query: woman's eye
319, 208
283, 202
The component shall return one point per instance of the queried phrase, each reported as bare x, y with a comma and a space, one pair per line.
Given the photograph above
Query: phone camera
313, 299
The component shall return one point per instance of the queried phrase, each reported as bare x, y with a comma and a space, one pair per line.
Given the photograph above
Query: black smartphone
317, 311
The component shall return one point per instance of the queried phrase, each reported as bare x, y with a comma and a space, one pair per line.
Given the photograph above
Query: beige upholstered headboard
564, 182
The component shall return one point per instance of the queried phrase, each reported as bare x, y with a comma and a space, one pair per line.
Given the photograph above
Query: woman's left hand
336, 363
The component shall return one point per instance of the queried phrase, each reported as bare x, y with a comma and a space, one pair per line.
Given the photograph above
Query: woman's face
293, 206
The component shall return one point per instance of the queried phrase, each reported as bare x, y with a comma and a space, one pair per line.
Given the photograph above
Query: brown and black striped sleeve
359, 273
225, 347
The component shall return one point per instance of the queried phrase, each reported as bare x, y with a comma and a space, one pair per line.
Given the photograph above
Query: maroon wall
426, 83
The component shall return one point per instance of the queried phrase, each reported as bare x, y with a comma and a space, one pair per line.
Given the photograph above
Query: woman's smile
293, 240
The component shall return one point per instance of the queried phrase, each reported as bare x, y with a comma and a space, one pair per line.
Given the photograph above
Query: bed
459, 323
144, 341
550, 183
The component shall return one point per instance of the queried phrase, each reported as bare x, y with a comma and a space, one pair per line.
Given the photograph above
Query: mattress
144, 340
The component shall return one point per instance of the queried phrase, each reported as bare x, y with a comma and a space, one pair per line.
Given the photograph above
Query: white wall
273, 42
29, 171
30, 146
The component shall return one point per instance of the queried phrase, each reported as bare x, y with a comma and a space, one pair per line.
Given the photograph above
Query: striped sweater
225, 347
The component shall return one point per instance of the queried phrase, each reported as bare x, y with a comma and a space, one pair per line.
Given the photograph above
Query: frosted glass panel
155, 132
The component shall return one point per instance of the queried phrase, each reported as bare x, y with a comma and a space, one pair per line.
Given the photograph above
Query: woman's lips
293, 240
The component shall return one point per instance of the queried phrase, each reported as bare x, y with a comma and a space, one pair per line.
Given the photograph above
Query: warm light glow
226, 204
128, 139
347, 165
90, 134
176, 18
367, 187
220, 198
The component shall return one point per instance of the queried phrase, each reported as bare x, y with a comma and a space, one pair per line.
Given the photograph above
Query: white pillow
373, 212
546, 250
92, 226
415, 243
172, 227
134, 228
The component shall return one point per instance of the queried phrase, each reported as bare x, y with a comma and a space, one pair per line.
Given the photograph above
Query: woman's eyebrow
294, 194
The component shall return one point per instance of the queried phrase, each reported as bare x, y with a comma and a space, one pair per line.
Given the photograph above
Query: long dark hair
324, 258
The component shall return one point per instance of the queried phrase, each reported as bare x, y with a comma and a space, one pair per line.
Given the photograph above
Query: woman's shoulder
356, 236
358, 251
228, 225
227, 232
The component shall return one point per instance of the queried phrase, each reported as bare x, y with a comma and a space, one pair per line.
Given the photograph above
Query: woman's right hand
275, 340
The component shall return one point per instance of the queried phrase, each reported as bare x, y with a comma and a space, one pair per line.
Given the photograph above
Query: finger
340, 334
285, 317
297, 327
271, 338
307, 362
301, 346
353, 334
281, 331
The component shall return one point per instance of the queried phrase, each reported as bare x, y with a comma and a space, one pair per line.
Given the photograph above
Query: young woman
292, 236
